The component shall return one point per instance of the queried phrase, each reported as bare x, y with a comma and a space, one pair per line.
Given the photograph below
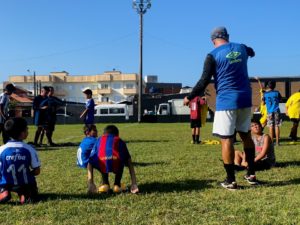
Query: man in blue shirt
227, 64
88, 113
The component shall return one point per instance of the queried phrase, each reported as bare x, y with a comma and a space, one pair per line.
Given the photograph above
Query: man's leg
37, 134
49, 133
223, 127
249, 149
228, 158
42, 136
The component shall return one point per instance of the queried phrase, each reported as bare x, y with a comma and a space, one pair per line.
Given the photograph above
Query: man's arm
208, 71
249, 51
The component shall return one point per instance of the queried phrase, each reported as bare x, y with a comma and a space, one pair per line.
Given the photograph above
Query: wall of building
111, 86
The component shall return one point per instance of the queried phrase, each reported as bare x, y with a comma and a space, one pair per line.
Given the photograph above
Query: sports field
178, 182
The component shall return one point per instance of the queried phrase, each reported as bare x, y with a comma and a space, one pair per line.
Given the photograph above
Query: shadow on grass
282, 183
286, 164
54, 197
287, 141
58, 146
144, 164
146, 141
178, 186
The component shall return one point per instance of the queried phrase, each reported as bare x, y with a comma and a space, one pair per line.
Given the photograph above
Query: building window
117, 98
129, 86
104, 99
116, 85
103, 86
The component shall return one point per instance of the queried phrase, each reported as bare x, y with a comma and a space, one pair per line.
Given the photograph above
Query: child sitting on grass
84, 151
110, 154
264, 149
19, 164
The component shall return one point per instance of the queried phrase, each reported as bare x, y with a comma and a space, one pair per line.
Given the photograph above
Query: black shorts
195, 123
262, 165
295, 120
51, 126
30, 190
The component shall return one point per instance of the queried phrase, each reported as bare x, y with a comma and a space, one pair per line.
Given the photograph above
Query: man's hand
186, 101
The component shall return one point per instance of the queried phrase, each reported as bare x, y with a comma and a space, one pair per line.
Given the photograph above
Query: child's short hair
46, 88
88, 128
15, 126
88, 92
256, 121
10, 88
271, 84
111, 129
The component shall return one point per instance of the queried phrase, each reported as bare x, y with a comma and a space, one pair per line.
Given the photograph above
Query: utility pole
141, 7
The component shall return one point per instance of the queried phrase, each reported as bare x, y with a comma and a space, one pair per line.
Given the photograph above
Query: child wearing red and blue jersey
110, 154
19, 164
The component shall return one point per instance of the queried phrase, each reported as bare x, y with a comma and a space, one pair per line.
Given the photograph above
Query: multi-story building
152, 86
109, 87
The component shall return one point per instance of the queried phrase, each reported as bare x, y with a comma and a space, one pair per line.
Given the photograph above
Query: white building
109, 87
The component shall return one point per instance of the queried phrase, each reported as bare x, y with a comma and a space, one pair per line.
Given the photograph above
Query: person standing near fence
4, 104
293, 111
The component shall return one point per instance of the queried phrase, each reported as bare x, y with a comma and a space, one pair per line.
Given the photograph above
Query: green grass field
178, 182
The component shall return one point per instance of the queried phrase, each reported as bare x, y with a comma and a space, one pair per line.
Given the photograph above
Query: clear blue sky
92, 36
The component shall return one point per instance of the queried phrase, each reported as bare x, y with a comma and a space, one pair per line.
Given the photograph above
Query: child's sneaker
124, 187
117, 189
4, 196
104, 188
232, 186
251, 179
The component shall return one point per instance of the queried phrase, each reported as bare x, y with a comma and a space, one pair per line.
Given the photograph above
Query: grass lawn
178, 182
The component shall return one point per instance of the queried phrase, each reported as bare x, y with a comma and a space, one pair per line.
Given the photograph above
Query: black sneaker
229, 186
251, 179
